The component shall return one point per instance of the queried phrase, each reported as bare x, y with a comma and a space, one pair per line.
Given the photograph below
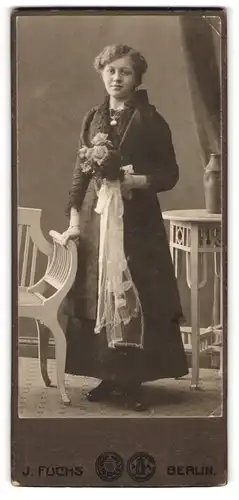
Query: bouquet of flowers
102, 159
118, 300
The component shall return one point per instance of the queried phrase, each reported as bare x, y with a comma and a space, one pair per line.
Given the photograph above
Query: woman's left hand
127, 185
132, 181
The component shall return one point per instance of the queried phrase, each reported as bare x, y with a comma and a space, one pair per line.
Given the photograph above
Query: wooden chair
42, 301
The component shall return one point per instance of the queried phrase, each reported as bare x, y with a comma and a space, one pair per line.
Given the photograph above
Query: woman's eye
111, 70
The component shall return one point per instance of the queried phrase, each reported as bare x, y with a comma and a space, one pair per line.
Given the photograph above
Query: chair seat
26, 298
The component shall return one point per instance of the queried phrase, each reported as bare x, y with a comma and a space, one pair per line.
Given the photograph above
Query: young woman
123, 343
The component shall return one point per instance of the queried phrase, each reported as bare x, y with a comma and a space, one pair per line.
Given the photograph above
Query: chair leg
60, 350
43, 339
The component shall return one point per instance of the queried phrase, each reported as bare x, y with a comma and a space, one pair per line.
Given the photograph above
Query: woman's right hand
72, 233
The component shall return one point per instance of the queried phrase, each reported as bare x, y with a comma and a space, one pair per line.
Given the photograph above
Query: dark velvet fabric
144, 140
202, 44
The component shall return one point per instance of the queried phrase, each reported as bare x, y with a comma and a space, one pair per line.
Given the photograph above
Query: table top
191, 215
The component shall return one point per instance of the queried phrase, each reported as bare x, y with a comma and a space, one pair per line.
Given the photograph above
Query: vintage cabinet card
119, 247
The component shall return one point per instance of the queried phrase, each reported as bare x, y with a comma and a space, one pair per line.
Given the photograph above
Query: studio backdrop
57, 85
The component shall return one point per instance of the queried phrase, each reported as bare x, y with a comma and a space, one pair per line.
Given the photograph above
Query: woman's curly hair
112, 52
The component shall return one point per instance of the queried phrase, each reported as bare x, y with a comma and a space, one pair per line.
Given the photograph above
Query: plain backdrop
7, 491
57, 85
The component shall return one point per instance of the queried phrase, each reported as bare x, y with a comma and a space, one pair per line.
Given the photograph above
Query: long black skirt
152, 271
88, 354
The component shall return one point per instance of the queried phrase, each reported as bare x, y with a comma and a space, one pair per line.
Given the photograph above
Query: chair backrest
62, 266
30, 242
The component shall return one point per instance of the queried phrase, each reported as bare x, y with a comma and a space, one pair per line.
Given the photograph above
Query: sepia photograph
120, 170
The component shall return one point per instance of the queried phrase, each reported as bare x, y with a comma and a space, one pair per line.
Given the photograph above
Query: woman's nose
117, 76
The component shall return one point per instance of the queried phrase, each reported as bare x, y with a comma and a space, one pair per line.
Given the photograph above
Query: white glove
73, 230
125, 189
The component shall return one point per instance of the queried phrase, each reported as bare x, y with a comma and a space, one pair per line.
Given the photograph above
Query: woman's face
119, 78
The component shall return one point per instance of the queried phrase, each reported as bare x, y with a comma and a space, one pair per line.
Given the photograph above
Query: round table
198, 233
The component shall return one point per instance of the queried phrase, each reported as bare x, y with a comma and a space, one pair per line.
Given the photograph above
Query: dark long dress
144, 140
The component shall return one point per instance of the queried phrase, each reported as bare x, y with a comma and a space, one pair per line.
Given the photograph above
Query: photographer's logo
109, 466
141, 467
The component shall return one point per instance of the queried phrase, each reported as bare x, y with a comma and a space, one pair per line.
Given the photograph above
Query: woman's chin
117, 94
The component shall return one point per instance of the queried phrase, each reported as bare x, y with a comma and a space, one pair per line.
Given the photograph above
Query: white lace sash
118, 299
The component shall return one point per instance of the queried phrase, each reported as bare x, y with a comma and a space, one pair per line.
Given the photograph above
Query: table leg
216, 291
221, 311
195, 307
217, 305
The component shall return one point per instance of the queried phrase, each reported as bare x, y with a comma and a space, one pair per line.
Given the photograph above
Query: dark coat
145, 142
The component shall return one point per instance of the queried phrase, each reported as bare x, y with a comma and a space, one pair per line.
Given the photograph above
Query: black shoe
137, 402
135, 398
102, 392
139, 406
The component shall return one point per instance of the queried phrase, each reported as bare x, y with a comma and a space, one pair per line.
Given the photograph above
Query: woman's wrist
74, 218
73, 229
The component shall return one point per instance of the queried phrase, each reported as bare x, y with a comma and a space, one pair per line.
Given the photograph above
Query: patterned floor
168, 398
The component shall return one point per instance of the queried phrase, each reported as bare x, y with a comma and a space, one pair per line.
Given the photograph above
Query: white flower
99, 154
100, 139
83, 152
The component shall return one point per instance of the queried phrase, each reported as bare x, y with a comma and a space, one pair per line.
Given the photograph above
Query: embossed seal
141, 467
109, 466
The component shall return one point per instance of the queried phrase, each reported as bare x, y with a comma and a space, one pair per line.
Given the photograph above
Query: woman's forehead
122, 62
